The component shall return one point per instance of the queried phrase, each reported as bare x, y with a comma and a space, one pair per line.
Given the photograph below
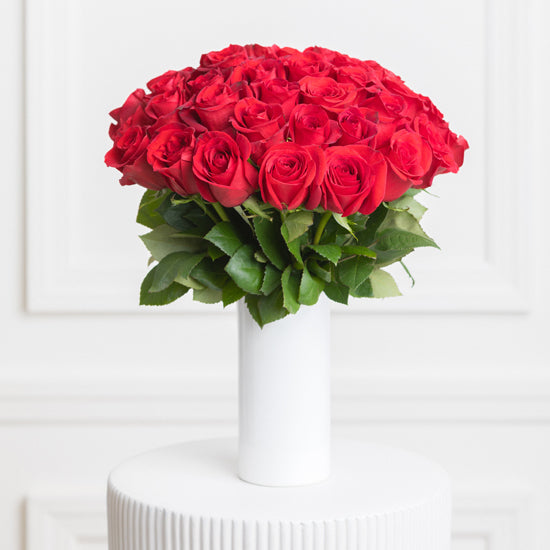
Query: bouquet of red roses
276, 175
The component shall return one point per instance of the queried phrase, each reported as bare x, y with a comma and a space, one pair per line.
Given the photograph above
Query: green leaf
260, 257
245, 270
410, 205
364, 290
225, 237
214, 252
269, 236
358, 250
271, 307
169, 294
343, 222
290, 283
190, 282
295, 246
177, 264
164, 240
266, 309
388, 257
231, 293
391, 239
211, 274
296, 224
272, 279
207, 295
366, 237
147, 214
184, 215
310, 288
256, 207
251, 302
354, 271
337, 292
383, 284
331, 252
323, 273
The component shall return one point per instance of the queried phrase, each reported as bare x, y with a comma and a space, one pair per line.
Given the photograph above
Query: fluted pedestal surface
188, 497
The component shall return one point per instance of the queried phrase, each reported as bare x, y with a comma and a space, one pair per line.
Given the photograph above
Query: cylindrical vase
284, 398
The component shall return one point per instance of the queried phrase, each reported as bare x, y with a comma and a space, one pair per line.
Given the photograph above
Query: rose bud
310, 125
222, 170
355, 179
171, 153
290, 175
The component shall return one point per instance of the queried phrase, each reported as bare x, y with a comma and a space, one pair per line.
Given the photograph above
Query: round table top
199, 478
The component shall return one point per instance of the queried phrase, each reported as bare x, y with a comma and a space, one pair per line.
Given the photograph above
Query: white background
456, 369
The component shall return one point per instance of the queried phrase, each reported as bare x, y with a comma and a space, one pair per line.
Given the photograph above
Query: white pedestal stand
189, 497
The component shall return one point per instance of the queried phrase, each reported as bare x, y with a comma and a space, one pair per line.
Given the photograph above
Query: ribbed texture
137, 526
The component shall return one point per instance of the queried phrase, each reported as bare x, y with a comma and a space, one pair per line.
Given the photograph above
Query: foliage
277, 260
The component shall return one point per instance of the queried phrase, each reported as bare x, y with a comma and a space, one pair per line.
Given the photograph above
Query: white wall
457, 369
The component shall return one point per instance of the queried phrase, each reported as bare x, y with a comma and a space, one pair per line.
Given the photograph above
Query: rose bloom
306, 64
222, 170
132, 113
229, 57
354, 127
409, 159
355, 179
129, 156
325, 91
310, 125
214, 105
290, 175
257, 120
171, 153
277, 90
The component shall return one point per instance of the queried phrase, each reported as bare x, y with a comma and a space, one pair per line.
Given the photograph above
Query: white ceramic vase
284, 398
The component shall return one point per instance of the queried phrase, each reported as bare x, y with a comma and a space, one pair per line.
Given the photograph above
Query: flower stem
321, 227
206, 210
220, 211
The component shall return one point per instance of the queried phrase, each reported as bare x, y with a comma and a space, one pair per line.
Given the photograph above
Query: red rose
310, 125
141, 173
214, 104
221, 167
129, 156
277, 90
128, 147
255, 50
306, 64
226, 58
355, 179
169, 81
132, 113
355, 127
409, 158
171, 153
325, 91
290, 175
358, 75
198, 81
257, 120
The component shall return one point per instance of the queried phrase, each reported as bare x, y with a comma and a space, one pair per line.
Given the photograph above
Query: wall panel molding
194, 399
